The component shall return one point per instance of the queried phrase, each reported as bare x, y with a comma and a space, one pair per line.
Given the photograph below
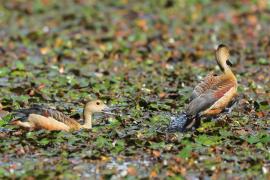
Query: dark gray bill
108, 110
228, 62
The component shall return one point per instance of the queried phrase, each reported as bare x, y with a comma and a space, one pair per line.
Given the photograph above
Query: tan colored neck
228, 73
87, 120
227, 69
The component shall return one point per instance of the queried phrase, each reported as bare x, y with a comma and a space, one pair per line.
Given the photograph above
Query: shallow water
92, 169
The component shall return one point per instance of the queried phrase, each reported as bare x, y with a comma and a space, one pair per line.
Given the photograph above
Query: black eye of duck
97, 103
228, 62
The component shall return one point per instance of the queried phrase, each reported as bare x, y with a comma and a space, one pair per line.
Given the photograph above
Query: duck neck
228, 73
87, 120
227, 69
224, 68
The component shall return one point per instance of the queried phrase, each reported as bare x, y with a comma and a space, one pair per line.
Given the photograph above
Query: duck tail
183, 122
22, 114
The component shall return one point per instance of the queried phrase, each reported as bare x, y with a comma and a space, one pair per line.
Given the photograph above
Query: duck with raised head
39, 117
211, 96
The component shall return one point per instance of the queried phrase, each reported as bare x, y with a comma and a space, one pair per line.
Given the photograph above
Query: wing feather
48, 112
201, 103
210, 80
209, 97
59, 116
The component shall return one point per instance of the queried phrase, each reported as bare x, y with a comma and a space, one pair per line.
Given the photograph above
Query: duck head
96, 106
222, 57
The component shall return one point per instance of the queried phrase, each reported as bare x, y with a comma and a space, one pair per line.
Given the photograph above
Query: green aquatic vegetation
146, 56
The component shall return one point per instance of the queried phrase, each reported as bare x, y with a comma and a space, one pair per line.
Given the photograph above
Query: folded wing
210, 80
47, 112
212, 98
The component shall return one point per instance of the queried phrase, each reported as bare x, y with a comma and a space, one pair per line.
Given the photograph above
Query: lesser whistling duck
211, 96
39, 117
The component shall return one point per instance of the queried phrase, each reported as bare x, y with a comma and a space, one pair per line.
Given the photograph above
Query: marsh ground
147, 55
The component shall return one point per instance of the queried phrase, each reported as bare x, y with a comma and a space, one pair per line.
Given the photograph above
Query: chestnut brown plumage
39, 117
211, 96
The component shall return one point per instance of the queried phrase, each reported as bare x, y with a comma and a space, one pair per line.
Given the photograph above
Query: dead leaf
132, 171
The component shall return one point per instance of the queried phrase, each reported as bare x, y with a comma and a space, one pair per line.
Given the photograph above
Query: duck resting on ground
39, 117
211, 96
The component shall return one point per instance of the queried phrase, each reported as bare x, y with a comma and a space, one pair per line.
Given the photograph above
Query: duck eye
97, 103
228, 62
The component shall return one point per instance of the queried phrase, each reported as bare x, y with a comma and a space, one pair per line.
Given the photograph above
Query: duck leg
197, 123
230, 107
193, 123
227, 111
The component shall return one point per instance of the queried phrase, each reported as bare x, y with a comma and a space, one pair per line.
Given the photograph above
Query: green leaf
19, 65
224, 133
259, 137
101, 142
265, 139
5, 119
4, 71
44, 141
157, 145
263, 61
208, 140
185, 152
119, 146
253, 139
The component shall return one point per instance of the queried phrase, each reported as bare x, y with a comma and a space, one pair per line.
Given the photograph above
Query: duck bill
108, 110
229, 63
117, 107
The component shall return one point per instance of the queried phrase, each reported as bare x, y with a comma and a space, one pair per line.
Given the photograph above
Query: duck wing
208, 98
206, 84
47, 112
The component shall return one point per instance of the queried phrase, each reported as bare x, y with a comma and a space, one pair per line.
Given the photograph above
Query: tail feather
22, 114
35, 109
